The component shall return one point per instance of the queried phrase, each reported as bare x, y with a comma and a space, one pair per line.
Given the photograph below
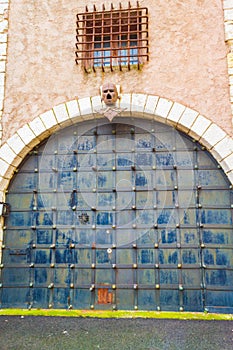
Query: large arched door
125, 215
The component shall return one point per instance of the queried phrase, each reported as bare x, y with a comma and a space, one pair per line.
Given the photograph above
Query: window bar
111, 49
138, 35
102, 42
120, 38
128, 37
93, 40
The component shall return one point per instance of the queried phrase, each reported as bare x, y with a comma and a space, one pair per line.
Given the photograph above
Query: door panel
119, 217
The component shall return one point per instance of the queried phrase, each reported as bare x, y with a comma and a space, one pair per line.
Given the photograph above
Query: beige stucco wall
187, 59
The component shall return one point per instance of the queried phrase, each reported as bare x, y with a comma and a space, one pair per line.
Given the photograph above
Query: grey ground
90, 333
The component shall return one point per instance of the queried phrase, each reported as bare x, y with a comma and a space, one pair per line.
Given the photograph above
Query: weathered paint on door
116, 215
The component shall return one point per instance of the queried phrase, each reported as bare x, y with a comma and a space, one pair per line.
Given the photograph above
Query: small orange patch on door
104, 296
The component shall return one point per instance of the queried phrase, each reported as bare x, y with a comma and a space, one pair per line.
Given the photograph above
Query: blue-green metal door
126, 215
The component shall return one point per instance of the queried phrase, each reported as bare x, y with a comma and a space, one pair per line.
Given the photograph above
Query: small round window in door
126, 215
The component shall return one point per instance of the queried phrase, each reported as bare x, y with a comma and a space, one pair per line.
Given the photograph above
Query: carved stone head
109, 94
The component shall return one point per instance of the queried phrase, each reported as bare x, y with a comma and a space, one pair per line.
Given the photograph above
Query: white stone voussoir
212, 136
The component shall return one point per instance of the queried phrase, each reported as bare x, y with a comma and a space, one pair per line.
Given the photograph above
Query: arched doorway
124, 215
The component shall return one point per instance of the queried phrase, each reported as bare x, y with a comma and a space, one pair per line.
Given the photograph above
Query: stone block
61, 113
163, 107
212, 136
199, 126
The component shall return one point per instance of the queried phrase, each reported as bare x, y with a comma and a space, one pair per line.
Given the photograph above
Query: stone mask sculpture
109, 94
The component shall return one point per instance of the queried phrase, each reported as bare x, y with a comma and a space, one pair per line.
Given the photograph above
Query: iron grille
113, 38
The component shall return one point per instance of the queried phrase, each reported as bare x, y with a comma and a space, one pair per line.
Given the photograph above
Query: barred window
114, 38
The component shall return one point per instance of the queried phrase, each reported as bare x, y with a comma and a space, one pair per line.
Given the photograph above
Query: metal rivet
155, 225
94, 190
157, 286
181, 287
181, 308
71, 285
31, 285
93, 227
74, 169
156, 245
92, 307
133, 167
135, 286
135, 307
158, 308
179, 266
51, 285
134, 245
113, 208
36, 170
202, 245
53, 246
52, 265
113, 226
72, 266
113, 266
54, 227
113, 168
92, 287
31, 265
135, 266
92, 266
133, 207
156, 266
113, 286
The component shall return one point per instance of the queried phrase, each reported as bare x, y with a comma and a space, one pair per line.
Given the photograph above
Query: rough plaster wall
187, 58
